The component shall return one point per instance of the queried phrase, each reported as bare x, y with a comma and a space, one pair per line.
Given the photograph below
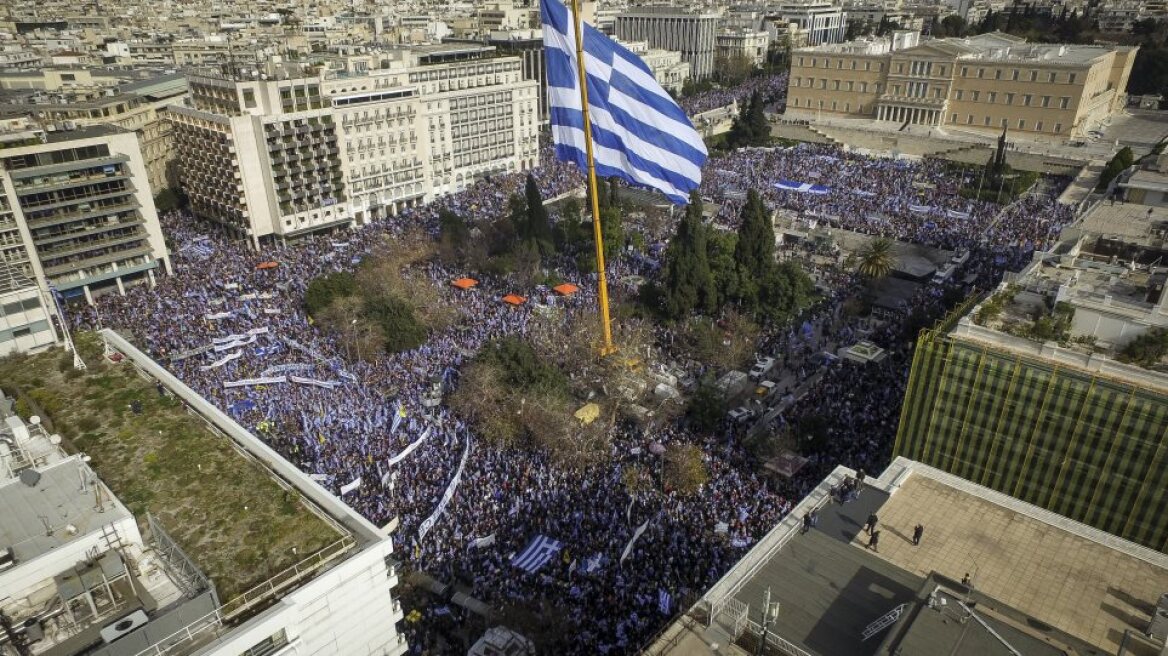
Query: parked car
740, 414
761, 368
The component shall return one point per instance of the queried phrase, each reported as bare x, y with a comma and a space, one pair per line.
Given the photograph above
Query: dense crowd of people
364, 429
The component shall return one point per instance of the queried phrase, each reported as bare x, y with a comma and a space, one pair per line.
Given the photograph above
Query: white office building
77, 212
671, 28
823, 21
370, 136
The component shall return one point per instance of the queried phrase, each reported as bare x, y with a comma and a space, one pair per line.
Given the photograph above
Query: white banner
409, 449
636, 536
285, 368
219, 315
446, 496
269, 310
327, 384
479, 543
236, 344
345, 489
247, 382
222, 361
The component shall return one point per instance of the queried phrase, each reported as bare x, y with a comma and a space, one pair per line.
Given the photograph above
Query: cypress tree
688, 284
538, 227
755, 250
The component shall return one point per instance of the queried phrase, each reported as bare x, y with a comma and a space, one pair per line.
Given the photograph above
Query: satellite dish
35, 420
54, 439
30, 477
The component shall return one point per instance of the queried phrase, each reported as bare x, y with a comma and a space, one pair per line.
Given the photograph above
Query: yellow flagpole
606, 328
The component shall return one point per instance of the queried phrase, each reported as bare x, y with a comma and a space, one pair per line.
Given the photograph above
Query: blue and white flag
537, 554
802, 187
664, 601
639, 133
593, 563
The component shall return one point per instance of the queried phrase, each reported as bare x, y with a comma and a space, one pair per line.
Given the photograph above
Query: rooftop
226, 511
1039, 582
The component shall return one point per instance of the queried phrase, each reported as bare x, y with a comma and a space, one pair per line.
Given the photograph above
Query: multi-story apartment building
666, 65
694, 35
1035, 393
750, 44
138, 107
984, 83
369, 137
83, 209
823, 21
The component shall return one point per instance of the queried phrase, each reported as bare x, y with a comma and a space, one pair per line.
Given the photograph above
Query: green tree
168, 199
720, 247
687, 282
876, 259
1147, 350
1119, 163
684, 470
785, 292
750, 127
539, 229
706, 408
400, 328
324, 289
453, 236
612, 227
754, 252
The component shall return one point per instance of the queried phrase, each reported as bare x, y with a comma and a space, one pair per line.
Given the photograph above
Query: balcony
48, 255
90, 230
96, 261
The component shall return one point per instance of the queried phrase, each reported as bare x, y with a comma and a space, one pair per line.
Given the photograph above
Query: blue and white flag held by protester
639, 133
664, 601
537, 554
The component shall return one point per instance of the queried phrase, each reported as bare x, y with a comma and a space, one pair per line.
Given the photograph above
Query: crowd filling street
364, 430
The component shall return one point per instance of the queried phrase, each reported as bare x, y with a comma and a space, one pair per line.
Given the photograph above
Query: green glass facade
1090, 448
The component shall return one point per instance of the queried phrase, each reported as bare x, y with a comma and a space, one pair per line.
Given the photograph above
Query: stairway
884, 621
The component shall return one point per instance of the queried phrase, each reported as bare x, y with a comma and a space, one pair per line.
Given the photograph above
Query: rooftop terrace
1041, 584
233, 518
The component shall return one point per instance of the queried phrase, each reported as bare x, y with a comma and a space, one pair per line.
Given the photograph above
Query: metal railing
212, 621
257, 595
181, 568
777, 641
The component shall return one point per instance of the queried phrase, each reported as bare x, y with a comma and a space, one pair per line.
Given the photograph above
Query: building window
1064, 102
268, 645
1009, 99
969, 119
1026, 100
1052, 77
1071, 78
952, 120
960, 94
863, 87
867, 67
987, 121
998, 74
1005, 123
992, 97
980, 73
964, 71
1038, 127
974, 95
1021, 124
1046, 101
1014, 75
1058, 127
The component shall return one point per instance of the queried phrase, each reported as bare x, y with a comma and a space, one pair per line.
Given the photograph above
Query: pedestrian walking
874, 540
871, 525
918, 531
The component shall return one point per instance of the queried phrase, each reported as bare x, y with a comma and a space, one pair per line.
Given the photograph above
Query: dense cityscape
317, 336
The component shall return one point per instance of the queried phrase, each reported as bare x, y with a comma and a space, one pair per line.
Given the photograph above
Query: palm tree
876, 259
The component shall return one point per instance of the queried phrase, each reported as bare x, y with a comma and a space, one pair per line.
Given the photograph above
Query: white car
761, 368
740, 414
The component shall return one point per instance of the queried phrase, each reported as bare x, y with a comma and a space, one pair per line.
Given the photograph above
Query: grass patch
229, 516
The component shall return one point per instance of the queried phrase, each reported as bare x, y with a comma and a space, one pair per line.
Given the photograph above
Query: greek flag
639, 133
537, 554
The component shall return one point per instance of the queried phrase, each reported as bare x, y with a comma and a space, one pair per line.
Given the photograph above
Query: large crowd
343, 420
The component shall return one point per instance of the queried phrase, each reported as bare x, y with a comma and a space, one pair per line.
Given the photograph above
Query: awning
267, 265
464, 283
566, 289
514, 299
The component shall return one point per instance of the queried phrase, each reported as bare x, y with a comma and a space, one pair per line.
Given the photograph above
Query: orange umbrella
465, 283
566, 289
514, 299
267, 265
